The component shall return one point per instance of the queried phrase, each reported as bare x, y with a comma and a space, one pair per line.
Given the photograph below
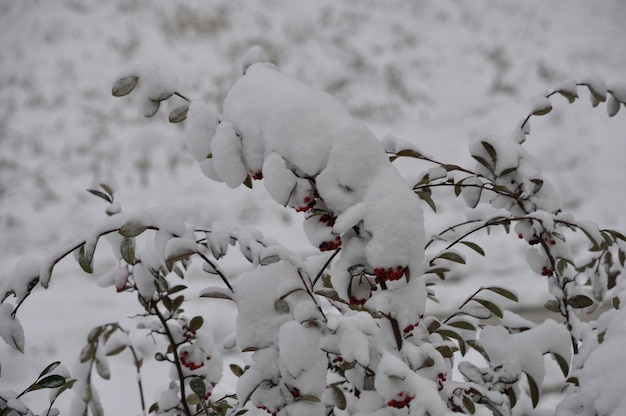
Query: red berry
520, 236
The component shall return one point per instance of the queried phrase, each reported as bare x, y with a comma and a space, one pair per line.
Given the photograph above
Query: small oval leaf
124, 86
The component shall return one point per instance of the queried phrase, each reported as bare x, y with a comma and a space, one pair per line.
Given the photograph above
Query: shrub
345, 331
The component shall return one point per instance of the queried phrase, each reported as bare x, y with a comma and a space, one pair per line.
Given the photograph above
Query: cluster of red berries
546, 271
338, 359
357, 302
410, 328
402, 401
331, 245
295, 392
386, 275
257, 176
328, 219
536, 240
310, 203
441, 378
267, 410
184, 359
189, 334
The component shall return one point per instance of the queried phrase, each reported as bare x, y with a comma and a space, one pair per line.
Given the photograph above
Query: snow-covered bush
345, 331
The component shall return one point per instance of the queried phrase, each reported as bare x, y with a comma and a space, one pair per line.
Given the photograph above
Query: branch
179, 370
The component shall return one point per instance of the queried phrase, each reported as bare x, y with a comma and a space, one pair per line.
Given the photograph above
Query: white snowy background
436, 73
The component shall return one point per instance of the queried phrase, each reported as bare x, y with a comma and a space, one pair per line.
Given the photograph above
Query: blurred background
436, 73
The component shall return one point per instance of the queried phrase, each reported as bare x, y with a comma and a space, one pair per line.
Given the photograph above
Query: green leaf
446, 333
103, 369
534, 390
425, 196
493, 308
562, 362
49, 368
248, 182
124, 86
409, 153
197, 386
507, 171
503, 292
474, 247
512, 397
579, 301
86, 263
116, 350
483, 162
216, 295
553, 306
310, 398
615, 302
469, 404
196, 323
463, 325
176, 289
340, 398
127, 250
269, 260
237, 371
452, 256
51, 382
281, 306
87, 353
193, 399
67, 386
491, 151
101, 194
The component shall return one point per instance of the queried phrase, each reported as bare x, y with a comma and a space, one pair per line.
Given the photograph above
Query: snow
60, 128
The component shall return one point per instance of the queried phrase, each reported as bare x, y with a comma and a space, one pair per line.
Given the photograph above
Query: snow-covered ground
436, 73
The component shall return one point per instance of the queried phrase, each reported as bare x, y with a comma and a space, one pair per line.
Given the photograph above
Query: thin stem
468, 300
182, 96
221, 275
308, 290
179, 369
394, 322
139, 381
330, 259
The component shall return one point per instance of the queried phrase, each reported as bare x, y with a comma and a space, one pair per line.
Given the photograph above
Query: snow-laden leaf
493, 308
568, 89
124, 86
179, 113
541, 105
150, 107
462, 325
216, 293
612, 105
132, 228
51, 382
49, 368
471, 191
127, 250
